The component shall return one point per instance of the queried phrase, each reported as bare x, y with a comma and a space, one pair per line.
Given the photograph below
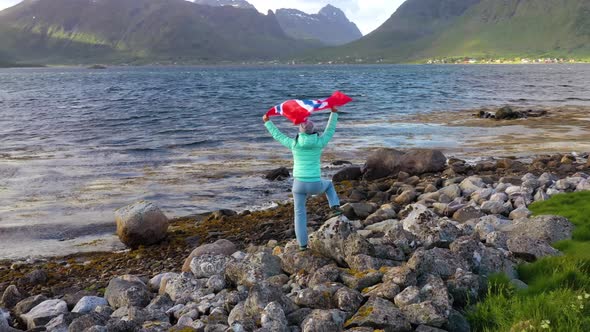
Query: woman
307, 150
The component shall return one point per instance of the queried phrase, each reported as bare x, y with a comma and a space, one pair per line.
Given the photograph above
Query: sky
367, 14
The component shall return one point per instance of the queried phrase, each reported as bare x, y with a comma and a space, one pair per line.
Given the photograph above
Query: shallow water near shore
78, 143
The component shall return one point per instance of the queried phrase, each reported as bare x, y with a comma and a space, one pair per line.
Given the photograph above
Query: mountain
330, 25
424, 29
220, 3
139, 31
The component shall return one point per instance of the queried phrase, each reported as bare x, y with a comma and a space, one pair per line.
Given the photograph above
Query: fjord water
76, 144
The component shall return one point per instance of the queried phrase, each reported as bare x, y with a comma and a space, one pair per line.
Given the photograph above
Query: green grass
558, 297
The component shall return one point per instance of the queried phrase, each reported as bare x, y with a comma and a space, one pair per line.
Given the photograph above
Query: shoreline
244, 229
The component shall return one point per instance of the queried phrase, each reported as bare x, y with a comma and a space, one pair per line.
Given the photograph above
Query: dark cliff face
330, 25
131, 29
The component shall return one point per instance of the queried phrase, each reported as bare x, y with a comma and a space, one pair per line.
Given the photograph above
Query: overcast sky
367, 14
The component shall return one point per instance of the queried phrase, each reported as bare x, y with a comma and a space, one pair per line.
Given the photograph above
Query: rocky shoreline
418, 239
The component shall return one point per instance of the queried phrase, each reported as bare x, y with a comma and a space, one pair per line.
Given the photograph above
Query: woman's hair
307, 127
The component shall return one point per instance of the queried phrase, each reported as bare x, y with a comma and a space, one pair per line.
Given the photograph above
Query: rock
389, 162
495, 207
428, 228
497, 240
406, 197
457, 322
383, 226
273, 318
426, 328
219, 247
317, 298
507, 113
278, 174
499, 197
541, 196
35, 277
141, 223
365, 262
549, 229
261, 295
471, 185
481, 195
379, 313
45, 311
583, 185
348, 174
520, 213
360, 280
156, 282
424, 313
127, 291
88, 321
10, 297
87, 304
465, 287
387, 290
216, 283
295, 261
324, 321
297, 316
238, 315
337, 239
358, 210
530, 249
408, 296
385, 212
348, 300
255, 268
452, 191
467, 213
205, 266
403, 276
437, 261
181, 287
61, 322
29, 303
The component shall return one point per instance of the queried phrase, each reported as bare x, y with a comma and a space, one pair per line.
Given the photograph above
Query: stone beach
419, 236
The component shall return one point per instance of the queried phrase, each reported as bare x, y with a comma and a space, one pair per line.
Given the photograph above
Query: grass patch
558, 297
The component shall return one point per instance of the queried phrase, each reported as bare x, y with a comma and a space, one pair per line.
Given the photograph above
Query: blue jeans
300, 192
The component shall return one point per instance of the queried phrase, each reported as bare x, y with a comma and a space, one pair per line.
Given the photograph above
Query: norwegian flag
299, 110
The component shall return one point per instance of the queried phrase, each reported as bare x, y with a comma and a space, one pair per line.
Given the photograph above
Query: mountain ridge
140, 31
420, 30
330, 25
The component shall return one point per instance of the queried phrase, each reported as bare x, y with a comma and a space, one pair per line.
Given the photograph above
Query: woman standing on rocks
307, 148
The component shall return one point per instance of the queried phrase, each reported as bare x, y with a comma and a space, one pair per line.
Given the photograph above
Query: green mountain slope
139, 31
423, 29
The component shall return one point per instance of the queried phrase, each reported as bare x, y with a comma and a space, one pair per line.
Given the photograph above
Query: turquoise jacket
307, 150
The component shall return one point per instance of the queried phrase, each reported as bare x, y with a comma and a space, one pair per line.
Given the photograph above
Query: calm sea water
76, 144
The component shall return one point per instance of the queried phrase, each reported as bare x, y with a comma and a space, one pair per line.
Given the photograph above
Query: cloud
367, 14
8, 3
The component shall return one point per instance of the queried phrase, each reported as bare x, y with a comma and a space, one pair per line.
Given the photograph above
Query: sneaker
303, 248
336, 211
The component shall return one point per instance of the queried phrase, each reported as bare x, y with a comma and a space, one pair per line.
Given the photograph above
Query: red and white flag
299, 110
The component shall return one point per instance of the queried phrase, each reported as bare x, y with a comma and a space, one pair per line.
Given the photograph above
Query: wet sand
563, 130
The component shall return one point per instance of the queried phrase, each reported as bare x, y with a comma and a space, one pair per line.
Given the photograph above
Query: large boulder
428, 227
141, 223
278, 174
218, 248
379, 313
437, 261
44, 312
348, 174
389, 162
127, 290
261, 295
545, 228
253, 269
29, 303
530, 249
337, 239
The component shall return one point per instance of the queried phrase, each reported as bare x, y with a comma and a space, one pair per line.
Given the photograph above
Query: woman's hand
334, 110
265, 118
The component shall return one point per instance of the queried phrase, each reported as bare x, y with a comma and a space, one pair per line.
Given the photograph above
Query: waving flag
299, 110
